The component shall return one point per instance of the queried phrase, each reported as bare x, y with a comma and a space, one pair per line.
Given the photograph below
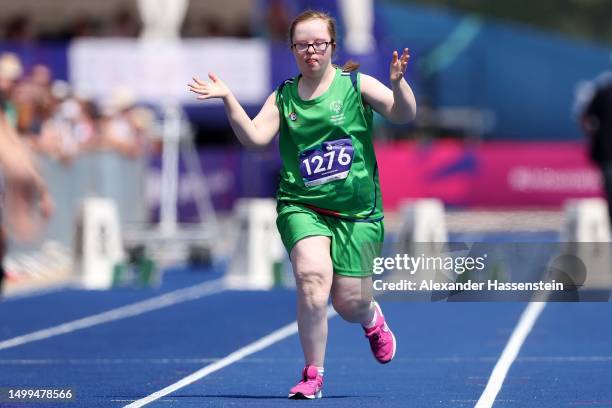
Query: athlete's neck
311, 87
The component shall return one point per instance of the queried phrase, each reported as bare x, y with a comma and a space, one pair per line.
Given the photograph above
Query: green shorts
354, 245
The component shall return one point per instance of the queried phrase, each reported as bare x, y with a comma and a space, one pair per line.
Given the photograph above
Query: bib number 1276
331, 162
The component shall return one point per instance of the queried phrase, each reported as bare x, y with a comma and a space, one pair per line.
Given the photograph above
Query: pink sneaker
311, 385
382, 340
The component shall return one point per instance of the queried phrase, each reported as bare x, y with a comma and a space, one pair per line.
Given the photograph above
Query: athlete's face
316, 58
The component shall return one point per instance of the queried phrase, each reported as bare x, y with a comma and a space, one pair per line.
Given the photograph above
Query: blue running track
446, 351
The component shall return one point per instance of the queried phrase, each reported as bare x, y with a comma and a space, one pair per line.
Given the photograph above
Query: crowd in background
20, 28
55, 121
272, 23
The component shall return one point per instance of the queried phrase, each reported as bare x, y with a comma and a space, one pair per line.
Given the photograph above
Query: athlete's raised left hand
398, 65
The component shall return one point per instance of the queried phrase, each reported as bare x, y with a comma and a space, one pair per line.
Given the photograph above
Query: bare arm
14, 158
397, 104
257, 132
27, 189
251, 133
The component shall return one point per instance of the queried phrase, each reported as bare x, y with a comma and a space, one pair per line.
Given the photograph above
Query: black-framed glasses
317, 46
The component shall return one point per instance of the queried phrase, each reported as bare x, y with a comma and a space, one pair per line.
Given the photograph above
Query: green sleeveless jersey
326, 149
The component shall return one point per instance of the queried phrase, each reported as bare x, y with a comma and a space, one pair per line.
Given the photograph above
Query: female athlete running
329, 201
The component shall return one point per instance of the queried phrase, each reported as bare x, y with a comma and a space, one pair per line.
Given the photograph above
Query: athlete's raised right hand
216, 88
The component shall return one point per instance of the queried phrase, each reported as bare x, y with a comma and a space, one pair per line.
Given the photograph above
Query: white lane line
231, 358
522, 329
134, 309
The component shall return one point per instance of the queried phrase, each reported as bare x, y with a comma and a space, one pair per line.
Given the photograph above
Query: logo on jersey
336, 107
293, 116
338, 117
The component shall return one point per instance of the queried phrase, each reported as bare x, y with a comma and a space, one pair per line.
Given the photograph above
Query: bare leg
352, 299
313, 270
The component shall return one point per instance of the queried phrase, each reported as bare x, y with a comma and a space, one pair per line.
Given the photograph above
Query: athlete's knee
313, 287
350, 308
312, 268
312, 275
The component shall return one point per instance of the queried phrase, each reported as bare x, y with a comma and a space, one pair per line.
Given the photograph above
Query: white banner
158, 72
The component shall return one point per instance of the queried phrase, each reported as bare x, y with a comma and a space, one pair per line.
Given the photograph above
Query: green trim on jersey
307, 125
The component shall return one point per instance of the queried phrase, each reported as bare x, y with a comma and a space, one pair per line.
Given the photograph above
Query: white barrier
586, 220
423, 221
98, 245
422, 232
586, 234
258, 247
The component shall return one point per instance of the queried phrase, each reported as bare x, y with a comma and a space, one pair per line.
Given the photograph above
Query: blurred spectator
10, 72
72, 127
33, 100
124, 127
124, 24
83, 26
278, 20
19, 29
596, 122
212, 27
146, 127
243, 29
202, 27
271, 18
